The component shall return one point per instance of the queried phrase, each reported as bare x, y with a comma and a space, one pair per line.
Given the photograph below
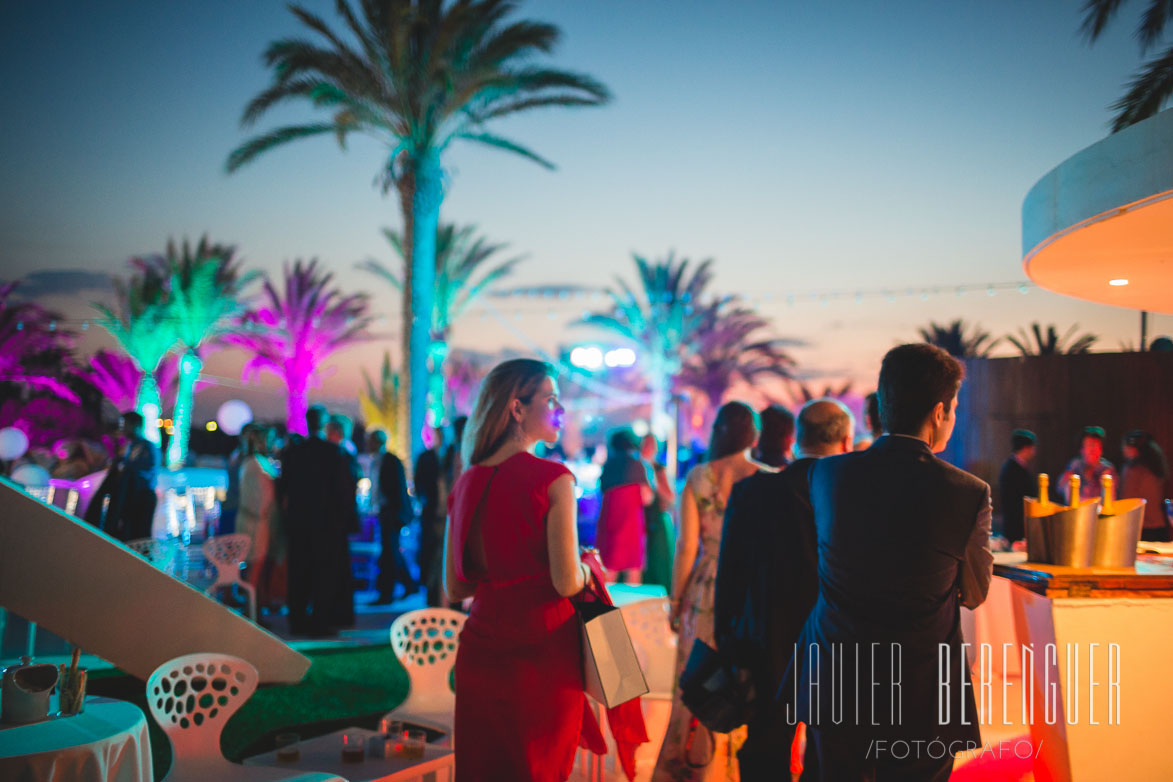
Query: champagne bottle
1044, 490
1109, 497
1073, 488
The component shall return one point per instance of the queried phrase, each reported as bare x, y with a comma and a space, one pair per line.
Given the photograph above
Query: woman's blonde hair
491, 423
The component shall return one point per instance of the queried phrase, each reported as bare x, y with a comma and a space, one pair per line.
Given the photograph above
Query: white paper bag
611, 670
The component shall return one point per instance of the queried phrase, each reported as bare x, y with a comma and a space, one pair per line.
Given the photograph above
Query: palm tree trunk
149, 406
297, 400
190, 365
401, 444
437, 354
425, 217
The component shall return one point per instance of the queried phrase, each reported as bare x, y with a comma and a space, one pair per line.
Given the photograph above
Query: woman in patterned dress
690, 751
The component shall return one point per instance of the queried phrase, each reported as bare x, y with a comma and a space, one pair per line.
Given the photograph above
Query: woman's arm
686, 545
454, 588
567, 571
664, 488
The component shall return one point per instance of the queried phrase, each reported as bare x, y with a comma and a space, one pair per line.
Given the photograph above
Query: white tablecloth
324, 754
107, 741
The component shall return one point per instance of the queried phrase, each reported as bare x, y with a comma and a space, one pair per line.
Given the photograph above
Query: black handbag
717, 692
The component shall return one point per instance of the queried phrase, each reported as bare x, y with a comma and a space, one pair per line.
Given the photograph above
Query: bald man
767, 581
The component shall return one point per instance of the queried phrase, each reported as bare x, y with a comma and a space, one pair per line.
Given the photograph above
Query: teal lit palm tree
466, 265
662, 316
1151, 87
416, 75
140, 322
292, 331
203, 290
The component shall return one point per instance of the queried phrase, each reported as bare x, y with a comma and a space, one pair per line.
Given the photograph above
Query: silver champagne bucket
1058, 535
1117, 535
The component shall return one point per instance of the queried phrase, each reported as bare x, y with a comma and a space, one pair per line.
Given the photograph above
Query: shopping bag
611, 671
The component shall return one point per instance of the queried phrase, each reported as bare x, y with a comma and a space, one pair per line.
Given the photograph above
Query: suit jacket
903, 541
394, 501
317, 487
767, 579
1014, 483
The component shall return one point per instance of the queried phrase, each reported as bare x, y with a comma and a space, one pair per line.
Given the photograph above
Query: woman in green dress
661, 533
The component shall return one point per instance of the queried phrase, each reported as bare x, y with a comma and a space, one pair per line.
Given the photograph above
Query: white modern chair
192, 697
160, 552
227, 552
425, 642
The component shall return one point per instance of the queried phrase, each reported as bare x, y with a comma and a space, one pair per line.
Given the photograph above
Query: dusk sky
807, 146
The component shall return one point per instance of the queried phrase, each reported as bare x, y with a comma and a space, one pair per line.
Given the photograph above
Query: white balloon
233, 415
31, 475
13, 443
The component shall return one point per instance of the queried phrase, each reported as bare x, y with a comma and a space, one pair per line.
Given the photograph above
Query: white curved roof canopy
1106, 214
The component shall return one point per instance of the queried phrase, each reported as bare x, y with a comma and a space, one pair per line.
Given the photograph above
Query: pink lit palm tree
30, 343
292, 331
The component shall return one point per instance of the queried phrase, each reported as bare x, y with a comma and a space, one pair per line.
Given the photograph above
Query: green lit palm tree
292, 331
204, 285
140, 322
955, 340
730, 346
1151, 87
1051, 344
416, 75
662, 319
466, 265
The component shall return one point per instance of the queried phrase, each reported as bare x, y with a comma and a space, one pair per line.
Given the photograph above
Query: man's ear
938, 414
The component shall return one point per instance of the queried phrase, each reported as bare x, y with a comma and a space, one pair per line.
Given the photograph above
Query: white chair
227, 552
654, 642
425, 642
162, 553
192, 697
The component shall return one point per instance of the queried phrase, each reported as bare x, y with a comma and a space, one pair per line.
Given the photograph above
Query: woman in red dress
512, 545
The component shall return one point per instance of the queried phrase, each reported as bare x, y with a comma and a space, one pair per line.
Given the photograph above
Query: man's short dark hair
872, 413
1094, 431
913, 379
777, 434
1022, 438
132, 421
315, 418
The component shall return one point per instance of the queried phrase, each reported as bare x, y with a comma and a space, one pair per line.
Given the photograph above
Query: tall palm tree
663, 320
204, 285
115, 376
954, 339
1153, 84
30, 346
293, 330
379, 402
728, 348
416, 75
1051, 344
141, 324
461, 256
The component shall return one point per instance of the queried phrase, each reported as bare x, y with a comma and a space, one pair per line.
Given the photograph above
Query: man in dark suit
1015, 481
317, 499
880, 675
430, 489
767, 582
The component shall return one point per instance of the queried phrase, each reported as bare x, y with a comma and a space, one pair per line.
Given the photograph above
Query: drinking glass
288, 747
414, 741
353, 747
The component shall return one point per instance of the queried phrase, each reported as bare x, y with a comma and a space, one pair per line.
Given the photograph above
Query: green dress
661, 541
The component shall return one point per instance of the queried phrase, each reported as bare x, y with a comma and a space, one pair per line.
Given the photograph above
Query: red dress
519, 688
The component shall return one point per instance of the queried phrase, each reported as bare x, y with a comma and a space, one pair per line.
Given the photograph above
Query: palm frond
1147, 92
259, 145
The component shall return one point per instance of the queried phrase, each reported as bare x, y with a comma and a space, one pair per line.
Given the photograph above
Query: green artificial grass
343, 688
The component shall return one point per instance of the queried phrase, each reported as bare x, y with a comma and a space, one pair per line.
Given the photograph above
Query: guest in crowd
1144, 475
392, 503
690, 751
432, 491
73, 464
659, 531
1015, 481
626, 486
767, 582
124, 504
777, 438
257, 511
318, 503
1090, 466
454, 462
903, 542
340, 431
512, 545
873, 429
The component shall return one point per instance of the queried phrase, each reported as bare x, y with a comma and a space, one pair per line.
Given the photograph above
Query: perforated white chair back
191, 697
654, 642
425, 642
227, 553
162, 553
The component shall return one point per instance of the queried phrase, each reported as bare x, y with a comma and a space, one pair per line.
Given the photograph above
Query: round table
107, 741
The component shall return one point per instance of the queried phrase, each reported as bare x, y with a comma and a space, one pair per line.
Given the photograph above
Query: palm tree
204, 284
140, 323
416, 75
31, 345
956, 342
663, 320
461, 255
1052, 344
1152, 86
293, 331
115, 376
379, 402
727, 349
